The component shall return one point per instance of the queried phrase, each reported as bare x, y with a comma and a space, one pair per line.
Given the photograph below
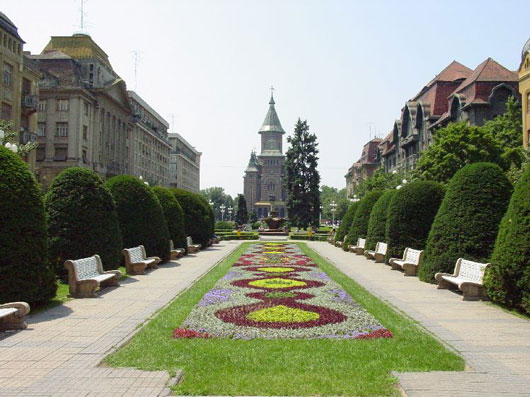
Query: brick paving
494, 343
60, 352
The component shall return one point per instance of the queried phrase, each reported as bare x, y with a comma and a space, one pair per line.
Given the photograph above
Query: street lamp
230, 209
222, 207
320, 216
333, 206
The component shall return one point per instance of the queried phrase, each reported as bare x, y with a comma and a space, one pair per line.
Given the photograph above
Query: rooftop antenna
173, 122
136, 60
370, 124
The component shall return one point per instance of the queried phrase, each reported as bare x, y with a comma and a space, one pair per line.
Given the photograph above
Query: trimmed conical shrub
359, 226
467, 222
210, 214
82, 220
197, 218
377, 222
410, 216
508, 279
345, 222
174, 216
141, 217
24, 271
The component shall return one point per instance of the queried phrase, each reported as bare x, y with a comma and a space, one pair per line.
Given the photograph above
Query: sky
347, 67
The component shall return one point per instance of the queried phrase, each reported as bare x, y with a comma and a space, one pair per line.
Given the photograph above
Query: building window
60, 153
528, 102
7, 75
6, 111
40, 153
85, 132
41, 129
42, 105
61, 129
85, 108
85, 158
62, 105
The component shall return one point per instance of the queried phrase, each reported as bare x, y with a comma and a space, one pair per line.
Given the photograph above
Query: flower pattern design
274, 291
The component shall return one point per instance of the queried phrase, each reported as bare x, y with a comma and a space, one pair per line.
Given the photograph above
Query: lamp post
230, 209
222, 207
320, 216
333, 206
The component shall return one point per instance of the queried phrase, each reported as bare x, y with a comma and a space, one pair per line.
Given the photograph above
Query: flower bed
274, 291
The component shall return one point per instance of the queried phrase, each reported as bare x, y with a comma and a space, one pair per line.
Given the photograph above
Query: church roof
272, 122
252, 163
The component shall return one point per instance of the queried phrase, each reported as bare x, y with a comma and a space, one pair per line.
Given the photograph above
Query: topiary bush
24, 271
140, 214
345, 222
508, 277
467, 222
82, 220
174, 216
210, 214
359, 226
410, 216
197, 219
224, 225
377, 222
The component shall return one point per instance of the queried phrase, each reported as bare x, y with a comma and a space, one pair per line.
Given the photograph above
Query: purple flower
215, 296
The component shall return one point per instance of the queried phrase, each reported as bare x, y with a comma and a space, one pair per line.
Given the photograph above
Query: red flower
188, 333
380, 333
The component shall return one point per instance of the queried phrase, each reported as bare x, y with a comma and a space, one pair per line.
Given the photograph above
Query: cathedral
263, 180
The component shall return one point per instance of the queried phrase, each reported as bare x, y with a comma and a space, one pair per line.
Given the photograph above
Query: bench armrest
438, 276
115, 272
22, 307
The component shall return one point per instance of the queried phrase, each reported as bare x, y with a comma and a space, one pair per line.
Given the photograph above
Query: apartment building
184, 164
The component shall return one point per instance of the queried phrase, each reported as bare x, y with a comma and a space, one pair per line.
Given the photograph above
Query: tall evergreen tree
302, 178
242, 213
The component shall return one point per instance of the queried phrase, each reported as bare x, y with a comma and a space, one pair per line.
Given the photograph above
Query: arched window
456, 110
498, 100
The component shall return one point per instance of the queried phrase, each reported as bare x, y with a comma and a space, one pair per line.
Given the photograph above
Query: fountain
274, 222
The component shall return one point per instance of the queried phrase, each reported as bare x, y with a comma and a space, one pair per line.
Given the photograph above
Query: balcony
27, 137
30, 102
409, 140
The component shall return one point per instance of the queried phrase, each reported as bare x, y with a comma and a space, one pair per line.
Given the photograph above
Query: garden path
494, 343
58, 354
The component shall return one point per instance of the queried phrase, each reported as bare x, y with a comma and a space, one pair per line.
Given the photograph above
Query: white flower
11, 146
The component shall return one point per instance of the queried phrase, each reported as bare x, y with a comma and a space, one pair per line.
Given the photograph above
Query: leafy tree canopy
218, 197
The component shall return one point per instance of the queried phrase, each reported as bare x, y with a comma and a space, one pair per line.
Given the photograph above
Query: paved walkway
494, 343
58, 354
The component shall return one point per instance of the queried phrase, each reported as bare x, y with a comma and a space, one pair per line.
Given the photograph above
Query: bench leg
444, 284
135, 268
473, 292
379, 258
85, 289
359, 251
410, 269
111, 282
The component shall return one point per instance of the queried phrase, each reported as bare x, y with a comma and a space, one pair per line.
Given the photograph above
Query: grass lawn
285, 367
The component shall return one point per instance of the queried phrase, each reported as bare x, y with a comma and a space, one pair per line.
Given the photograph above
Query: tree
377, 222
197, 222
381, 180
242, 213
253, 217
218, 197
346, 221
410, 216
507, 279
12, 141
25, 274
82, 220
302, 178
330, 194
467, 222
174, 216
359, 226
142, 220
456, 145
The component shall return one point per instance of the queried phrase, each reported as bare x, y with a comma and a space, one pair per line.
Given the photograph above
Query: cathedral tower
263, 180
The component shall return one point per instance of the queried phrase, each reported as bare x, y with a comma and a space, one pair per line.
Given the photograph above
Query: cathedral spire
272, 122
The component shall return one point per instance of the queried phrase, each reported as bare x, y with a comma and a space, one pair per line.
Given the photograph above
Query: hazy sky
345, 66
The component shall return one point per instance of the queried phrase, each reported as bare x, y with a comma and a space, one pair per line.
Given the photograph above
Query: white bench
192, 248
468, 277
410, 262
378, 254
175, 253
86, 275
136, 260
12, 315
338, 244
359, 248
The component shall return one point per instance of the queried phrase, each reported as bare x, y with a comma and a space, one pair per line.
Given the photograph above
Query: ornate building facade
365, 167
524, 89
263, 181
184, 164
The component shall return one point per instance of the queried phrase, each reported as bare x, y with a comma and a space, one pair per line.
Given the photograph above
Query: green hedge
24, 273
346, 221
82, 220
359, 226
243, 236
377, 222
174, 216
197, 220
508, 279
219, 225
141, 217
467, 222
314, 237
410, 216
